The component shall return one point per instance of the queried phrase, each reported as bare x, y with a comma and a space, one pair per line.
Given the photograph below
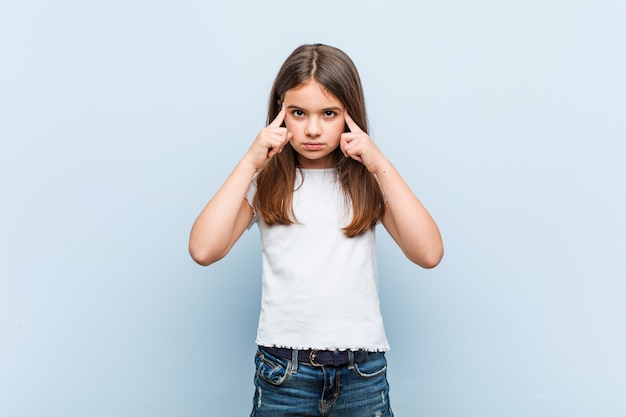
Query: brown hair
336, 72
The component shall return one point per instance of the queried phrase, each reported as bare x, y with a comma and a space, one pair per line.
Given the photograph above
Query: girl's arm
406, 219
224, 219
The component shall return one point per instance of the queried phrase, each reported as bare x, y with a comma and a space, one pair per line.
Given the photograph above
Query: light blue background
120, 119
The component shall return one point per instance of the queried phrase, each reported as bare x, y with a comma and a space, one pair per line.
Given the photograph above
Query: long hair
336, 72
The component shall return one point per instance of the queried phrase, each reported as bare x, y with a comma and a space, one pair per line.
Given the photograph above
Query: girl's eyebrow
334, 108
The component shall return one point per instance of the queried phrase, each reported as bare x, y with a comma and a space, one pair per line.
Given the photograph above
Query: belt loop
351, 359
336, 357
294, 361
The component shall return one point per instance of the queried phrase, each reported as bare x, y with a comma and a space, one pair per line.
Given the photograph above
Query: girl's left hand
358, 145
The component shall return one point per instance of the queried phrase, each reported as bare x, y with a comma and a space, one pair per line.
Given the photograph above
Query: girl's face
315, 118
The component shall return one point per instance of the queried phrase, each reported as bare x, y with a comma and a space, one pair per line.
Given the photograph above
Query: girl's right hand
270, 141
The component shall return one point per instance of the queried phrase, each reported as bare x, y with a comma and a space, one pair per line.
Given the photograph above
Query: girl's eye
329, 113
298, 113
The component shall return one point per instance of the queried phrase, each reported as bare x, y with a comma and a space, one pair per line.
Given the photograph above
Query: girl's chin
315, 163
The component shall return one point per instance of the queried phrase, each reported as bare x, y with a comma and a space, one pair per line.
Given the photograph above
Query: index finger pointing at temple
280, 118
351, 123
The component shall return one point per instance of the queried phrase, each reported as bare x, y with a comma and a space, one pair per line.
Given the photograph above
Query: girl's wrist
248, 164
381, 166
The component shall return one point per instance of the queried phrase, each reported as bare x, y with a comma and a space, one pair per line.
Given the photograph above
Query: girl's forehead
311, 90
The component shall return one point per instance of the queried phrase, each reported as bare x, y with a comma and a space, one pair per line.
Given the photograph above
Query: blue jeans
284, 388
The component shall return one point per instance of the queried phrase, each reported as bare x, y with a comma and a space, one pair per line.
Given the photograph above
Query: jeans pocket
270, 369
372, 367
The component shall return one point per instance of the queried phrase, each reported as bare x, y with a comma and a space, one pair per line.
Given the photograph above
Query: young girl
317, 185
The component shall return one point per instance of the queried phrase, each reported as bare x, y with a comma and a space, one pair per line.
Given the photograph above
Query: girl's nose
313, 128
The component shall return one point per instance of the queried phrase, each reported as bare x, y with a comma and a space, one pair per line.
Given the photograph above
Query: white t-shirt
320, 288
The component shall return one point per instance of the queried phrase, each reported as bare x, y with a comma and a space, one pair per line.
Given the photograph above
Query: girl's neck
313, 168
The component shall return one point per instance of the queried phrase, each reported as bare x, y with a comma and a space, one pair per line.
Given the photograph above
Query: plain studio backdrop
120, 119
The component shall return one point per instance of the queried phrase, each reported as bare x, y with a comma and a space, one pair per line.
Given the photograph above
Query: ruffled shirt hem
354, 349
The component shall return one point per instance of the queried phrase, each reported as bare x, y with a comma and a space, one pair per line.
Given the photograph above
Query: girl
317, 185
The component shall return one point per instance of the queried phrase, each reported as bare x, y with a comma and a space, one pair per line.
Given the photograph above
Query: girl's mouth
313, 146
